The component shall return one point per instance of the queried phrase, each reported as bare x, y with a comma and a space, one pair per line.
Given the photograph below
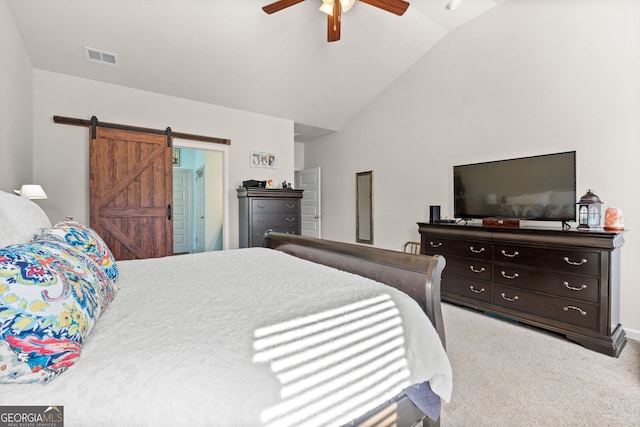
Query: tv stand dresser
565, 281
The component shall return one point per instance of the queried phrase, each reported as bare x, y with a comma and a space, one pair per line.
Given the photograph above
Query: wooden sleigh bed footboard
416, 275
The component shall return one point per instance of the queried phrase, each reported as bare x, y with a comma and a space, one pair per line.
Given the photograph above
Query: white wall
299, 155
528, 77
215, 192
15, 106
61, 152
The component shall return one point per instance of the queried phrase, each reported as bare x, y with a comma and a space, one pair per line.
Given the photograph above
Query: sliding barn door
131, 191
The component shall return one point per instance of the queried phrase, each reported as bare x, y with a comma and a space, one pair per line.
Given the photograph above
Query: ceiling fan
334, 9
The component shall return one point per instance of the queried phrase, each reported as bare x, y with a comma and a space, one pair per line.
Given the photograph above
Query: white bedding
19, 219
187, 342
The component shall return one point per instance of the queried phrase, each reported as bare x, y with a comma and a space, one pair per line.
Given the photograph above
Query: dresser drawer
475, 269
257, 234
435, 245
578, 313
469, 288
274, 205
580, 262
275, 220
558, 283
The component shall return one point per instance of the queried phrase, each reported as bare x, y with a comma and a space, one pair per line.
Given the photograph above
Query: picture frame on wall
175, 157
259, 159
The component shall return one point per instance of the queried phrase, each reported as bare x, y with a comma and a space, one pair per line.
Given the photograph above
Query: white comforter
249, 337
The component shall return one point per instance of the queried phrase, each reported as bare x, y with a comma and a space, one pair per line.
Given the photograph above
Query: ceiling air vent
96, 55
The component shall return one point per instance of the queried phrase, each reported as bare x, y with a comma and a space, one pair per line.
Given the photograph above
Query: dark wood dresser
263, 209
566, 281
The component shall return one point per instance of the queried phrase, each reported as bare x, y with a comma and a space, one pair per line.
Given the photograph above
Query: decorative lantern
589, 211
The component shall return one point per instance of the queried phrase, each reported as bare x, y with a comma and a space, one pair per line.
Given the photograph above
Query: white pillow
20, 218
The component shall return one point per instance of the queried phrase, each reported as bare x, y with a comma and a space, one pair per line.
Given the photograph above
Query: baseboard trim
632, 334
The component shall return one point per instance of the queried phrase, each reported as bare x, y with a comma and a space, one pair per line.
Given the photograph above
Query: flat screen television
539, 188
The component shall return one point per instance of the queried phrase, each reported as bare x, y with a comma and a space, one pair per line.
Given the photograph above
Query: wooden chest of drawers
566, 281
262, 209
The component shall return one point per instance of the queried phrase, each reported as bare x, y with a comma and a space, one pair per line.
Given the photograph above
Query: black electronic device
446, 221
536, 188
252, 183
434, 213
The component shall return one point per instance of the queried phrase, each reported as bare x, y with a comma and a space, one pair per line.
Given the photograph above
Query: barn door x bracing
131, 191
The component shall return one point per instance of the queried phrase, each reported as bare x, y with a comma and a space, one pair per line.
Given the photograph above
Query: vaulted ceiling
230, 53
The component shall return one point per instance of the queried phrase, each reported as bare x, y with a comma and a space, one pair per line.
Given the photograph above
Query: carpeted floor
508, 374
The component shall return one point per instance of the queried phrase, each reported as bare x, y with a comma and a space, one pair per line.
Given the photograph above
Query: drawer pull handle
260, 220
261, 206
566, 285
476, 251
435, 245
582, 261
291, 219
573, 307
290, 206
506, 298
506, 276
477, 291
513, 255
260, 235
476, 270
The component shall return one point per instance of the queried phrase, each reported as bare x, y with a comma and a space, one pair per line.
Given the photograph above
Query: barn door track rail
94, 123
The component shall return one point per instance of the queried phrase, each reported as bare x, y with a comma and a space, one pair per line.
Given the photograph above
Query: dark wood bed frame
416, 275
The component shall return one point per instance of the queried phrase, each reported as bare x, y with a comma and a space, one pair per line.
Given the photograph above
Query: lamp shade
327, 7
347, 4
31, 192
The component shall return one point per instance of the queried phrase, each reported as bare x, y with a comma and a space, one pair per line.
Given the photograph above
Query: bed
302, 332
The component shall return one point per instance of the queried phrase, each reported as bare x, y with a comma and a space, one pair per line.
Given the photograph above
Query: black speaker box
434, 213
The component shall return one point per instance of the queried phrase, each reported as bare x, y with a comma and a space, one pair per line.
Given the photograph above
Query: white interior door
200, 210
182, 230
309, 181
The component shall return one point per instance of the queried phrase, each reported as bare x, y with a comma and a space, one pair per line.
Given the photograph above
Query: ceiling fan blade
333, 23
279, 5
398, 7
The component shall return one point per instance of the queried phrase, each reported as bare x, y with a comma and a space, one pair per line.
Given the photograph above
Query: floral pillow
85, 239
50, 297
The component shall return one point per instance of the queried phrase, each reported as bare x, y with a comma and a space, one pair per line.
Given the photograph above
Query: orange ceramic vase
613, 219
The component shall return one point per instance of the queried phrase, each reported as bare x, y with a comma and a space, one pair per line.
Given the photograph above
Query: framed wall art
175, 157
261, 159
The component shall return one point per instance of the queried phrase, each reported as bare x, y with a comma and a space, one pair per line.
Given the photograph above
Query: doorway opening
199, 184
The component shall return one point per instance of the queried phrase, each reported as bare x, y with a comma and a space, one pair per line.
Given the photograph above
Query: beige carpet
508, 374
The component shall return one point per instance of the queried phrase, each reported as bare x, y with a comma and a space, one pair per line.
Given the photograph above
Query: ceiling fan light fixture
335, 8
327, 7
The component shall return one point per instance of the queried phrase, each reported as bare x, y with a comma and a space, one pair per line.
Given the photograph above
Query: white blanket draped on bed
249, 337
